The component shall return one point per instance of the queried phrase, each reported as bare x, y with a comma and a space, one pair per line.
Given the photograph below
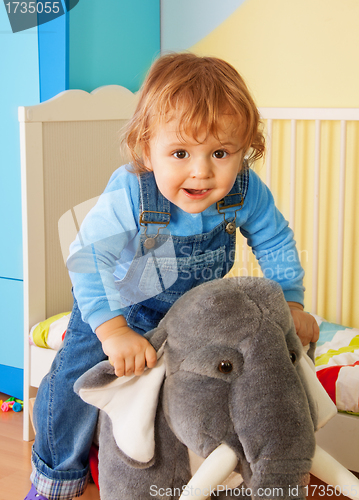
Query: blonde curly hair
198, 91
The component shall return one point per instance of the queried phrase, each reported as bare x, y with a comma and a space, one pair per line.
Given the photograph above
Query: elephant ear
130, 402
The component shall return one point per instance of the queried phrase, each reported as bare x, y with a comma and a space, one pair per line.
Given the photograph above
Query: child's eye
181, 154
220, 153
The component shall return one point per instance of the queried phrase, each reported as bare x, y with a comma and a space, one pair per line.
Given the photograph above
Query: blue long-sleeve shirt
109, 236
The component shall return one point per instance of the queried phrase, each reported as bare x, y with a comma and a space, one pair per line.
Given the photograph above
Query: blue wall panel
112, 42
19, 85
53, 57
11, 324
186, 22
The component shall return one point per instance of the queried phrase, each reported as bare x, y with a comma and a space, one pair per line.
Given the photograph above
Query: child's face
195, 175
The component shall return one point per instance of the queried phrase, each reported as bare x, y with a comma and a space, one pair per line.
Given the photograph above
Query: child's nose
201, 169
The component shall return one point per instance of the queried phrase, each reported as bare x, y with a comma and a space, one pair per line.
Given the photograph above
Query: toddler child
164, 224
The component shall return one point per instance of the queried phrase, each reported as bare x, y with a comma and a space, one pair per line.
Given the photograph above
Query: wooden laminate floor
15, 466
15, 460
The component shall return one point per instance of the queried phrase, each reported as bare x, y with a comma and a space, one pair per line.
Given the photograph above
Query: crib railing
311, 167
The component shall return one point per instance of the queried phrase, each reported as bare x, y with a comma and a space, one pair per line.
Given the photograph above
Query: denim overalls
164, 268
190, 260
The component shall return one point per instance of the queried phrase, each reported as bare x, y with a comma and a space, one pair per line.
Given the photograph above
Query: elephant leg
172, 464
119, 477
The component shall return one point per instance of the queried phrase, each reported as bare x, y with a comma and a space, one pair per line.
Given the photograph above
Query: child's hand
306, 326
127, 350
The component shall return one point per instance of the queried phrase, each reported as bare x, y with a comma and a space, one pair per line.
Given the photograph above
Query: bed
70, 147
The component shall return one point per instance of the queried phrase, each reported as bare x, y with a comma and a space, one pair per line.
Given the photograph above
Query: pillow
51, 332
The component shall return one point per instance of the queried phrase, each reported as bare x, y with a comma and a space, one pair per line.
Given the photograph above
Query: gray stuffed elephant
233, 384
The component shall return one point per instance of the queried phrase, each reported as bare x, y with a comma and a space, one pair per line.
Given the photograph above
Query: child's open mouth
194, 192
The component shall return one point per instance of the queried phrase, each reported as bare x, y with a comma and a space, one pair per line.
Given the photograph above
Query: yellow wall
304, 53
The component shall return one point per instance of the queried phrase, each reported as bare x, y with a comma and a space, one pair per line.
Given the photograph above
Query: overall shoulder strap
243, 180
154, 207
238, 192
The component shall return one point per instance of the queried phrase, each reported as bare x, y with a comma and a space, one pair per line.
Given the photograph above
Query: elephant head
238, 389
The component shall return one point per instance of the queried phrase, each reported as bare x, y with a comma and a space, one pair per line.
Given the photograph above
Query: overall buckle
150, 241
221, 206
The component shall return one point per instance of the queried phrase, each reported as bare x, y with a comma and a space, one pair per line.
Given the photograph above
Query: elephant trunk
272, 417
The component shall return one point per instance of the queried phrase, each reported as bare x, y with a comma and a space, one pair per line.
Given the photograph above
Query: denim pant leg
64, 423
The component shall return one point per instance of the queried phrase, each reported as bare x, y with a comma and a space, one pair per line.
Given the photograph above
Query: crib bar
317, 116
245, 255
316, 217
293, 151
341, 210
269, 152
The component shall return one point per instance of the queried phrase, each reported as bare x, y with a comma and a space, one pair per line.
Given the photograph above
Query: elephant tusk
222, 461
329, 470
214, 470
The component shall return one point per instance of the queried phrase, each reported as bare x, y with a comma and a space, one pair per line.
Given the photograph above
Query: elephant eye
225, 366
293, 356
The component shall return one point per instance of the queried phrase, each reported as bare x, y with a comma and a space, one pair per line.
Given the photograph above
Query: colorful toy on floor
11, 404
